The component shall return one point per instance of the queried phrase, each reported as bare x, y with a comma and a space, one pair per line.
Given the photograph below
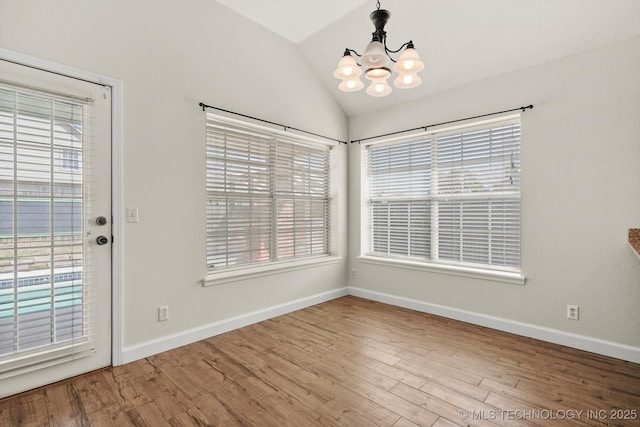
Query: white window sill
250, 272
475, 273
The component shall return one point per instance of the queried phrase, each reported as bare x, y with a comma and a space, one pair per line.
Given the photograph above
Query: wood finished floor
347, 362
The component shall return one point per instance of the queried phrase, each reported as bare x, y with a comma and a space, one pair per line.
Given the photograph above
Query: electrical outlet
573, 312
353, 274
163, 313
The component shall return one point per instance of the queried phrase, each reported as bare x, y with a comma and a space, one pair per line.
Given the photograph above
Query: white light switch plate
132, 214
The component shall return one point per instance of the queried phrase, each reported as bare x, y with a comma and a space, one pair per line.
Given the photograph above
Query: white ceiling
295, 20
460, 41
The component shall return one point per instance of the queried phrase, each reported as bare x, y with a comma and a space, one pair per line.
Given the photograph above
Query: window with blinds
43, 282
267, 196
450, 197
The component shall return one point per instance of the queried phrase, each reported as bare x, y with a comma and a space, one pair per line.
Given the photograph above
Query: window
70, 160
267, 195
44, 309
447, 197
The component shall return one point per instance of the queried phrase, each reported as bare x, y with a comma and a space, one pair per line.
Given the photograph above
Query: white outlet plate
163, 313
573, 312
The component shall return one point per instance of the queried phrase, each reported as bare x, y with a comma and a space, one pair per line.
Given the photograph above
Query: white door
55, 227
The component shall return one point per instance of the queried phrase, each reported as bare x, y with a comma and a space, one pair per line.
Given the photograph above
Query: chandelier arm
388, 51
351, 50
390, 57
410, 42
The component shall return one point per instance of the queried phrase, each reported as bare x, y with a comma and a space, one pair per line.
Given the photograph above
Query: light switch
132, 214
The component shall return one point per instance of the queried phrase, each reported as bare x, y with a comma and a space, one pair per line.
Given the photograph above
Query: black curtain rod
528, 107
205, 106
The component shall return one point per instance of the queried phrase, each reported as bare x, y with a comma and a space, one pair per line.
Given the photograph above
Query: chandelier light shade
348, 68
377, 63
409, 61
379, 87
374, 55
351, 85
407, 81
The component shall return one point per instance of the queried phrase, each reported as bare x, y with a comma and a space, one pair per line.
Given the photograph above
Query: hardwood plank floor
347, 362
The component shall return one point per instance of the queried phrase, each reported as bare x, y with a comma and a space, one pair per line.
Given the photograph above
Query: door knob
102, 240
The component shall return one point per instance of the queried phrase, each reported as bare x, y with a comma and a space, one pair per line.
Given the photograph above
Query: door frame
117, 247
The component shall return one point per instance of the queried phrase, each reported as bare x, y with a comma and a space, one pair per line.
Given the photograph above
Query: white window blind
267, 196
400, 185
449, 197
43, 280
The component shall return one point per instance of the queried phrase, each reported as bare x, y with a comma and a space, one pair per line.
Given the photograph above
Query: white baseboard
170, 342
581, 342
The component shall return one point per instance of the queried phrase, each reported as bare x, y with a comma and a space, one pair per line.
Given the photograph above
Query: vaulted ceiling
460, 41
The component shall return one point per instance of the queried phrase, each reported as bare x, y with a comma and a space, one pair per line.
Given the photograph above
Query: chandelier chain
378, 4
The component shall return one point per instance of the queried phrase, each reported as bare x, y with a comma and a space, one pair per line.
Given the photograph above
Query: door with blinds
55, 227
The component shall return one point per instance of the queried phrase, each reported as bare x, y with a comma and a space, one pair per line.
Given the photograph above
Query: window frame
433, 263
232, 273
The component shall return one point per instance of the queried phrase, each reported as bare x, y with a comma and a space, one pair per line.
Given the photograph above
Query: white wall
170, 56
580, 194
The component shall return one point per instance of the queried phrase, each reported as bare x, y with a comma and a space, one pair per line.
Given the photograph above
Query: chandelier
377, 62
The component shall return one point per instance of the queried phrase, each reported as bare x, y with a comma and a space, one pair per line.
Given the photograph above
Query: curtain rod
528, 107
285, 127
